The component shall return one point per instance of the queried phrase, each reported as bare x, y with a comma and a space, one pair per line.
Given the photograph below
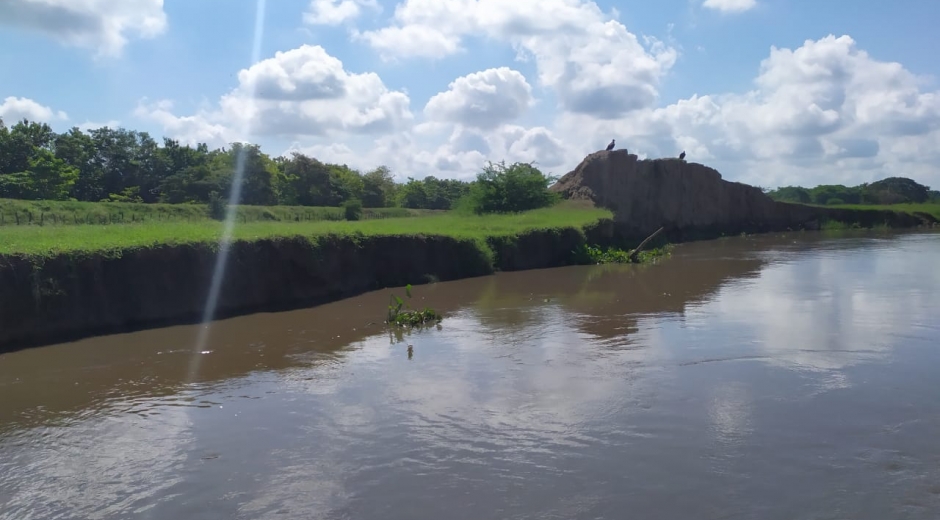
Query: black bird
611, 145
682, 156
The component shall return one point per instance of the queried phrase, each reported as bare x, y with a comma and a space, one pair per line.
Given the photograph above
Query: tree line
893, 190
108, 164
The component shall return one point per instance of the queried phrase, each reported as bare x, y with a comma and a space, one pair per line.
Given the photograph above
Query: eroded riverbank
74, 295
68, 296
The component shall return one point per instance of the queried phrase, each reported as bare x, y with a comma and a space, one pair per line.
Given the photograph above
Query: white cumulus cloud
335, 12
187, 129
15, 109
730, 6
101, 25
483, 99
538, 145
468, 150
300, 92
94, 125
595, 65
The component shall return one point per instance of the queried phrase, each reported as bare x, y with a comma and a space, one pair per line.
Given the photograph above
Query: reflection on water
772, 377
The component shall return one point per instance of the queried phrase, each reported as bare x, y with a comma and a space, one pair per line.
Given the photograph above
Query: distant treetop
893, 190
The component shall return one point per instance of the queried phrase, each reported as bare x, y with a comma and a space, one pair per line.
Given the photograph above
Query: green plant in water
615, 255
836, 225
654, 254
401, 315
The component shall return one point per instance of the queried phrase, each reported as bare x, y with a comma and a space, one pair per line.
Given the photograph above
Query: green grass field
67, 213
48, 240
931, 209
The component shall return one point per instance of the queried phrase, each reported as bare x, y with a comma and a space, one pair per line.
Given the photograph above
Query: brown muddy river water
776, 377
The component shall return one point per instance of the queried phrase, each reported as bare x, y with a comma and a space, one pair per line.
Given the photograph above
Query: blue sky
437, 87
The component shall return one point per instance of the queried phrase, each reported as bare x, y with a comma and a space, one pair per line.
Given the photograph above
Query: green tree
345, 184
518, 187
258, 174
194, 184
19, 144
454, 190
152, 167
114, 151
412, 195
791, 194
46, 178
436, 191
378, 188
444, 193
821, 194
308, 180
188, 176
77, 149
896, 190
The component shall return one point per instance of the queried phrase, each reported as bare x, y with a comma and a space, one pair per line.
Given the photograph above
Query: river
769, 377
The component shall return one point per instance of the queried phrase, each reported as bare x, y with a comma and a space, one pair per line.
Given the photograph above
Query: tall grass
71, 213
46, 240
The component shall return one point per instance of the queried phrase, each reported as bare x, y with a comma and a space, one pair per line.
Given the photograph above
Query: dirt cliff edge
690, 198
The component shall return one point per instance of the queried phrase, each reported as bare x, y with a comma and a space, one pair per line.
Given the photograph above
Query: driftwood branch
635, 252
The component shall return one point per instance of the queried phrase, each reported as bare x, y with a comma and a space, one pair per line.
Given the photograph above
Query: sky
769, 92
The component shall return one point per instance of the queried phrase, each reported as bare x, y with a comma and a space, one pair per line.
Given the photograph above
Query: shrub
464, 205
352, 209
217, 206
130, 194
509, 189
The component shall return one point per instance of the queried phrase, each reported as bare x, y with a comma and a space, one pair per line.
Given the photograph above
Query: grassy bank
70, 213
50, 240
66, 282
911, 208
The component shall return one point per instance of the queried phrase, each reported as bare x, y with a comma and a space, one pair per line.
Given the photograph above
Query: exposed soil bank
46, 300
692, 200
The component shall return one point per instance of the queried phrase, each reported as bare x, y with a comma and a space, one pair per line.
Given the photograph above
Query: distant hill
893, 190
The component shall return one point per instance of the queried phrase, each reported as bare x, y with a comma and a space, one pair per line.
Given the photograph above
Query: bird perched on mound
611, 145
682, 156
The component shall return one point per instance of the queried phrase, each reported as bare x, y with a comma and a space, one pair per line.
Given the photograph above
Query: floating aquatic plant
403, 315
